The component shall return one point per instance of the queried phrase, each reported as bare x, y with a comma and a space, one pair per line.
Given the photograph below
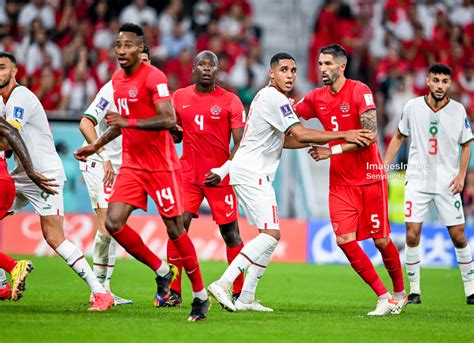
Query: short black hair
280, 56
8, 55
146, 50
206, 54
439, 68
130, 27
335, 50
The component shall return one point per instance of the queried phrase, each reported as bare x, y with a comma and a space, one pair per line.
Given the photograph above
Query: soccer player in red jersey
10, 139
208, 115
358, 192
150, 166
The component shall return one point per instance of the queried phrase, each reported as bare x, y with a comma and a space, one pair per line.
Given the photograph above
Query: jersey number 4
122, 105
199, 120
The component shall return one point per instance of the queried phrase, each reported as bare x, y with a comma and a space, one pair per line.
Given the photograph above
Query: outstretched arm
393, 147
82, 153
305, 135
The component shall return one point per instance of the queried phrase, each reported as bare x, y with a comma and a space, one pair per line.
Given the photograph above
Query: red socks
231, 254
173, 258
189, 261
133, 244
361, 263
391, 260
6, 262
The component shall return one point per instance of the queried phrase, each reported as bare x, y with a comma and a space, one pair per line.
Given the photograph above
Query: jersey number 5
199, 120
334, 123
122, 105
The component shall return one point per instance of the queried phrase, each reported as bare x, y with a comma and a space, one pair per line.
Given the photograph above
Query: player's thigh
93, 175
450, 209
344, 209
193, 197
223, 203
7, 197
44, 204
166, 190
416, 205
130, 188
374, 221
259, 204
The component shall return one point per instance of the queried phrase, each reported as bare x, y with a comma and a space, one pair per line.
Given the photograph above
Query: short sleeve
237, 113
404, 124
363, 97
281, 114
157, 84
103, 102
304, 108
179, 121
19, 108
466, 134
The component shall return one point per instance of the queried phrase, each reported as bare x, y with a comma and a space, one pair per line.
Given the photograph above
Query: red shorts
221, 199
133, 185
360, 209
8, 196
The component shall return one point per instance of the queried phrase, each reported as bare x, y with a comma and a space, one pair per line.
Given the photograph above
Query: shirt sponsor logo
18, 112
286, 110
133, 92
345, 107
163, 90
103, 103
369, 99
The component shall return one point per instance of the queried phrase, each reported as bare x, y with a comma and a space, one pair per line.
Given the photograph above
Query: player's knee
459, 240
412, 238
231, 235
112, 225
381, 243
54, 241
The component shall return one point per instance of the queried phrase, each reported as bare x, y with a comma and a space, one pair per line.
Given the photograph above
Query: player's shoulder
226, 94
357, 85
21, 94
272, 94
416, 102
149, 70
185, 91
458, 107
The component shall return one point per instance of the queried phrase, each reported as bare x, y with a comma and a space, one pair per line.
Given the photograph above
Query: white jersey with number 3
433, 160
24, 111
259, 153
103, 102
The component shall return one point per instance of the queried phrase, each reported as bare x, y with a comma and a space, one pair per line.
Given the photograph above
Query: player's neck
435, 104
5, 91
337, 85
132, 69
204, 89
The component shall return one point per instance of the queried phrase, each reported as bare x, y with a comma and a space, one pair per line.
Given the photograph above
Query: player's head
438, 80
205, 68
282, 72
145, 55
332, 63
129, 45
7, 68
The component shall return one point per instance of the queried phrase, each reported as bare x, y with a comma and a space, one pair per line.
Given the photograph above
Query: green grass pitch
312, 304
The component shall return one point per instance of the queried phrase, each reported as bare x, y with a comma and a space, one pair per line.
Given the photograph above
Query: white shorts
93, 174
448, 206
44, 204
259, 204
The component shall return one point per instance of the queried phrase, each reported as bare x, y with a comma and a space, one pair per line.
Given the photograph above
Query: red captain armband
132, 123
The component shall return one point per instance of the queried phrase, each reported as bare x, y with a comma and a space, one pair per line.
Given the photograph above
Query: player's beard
6, 83
437, 99
331, 79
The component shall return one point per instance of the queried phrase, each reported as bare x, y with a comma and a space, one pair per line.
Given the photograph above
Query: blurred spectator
462, 14
179, 70
177, 41
45, 85
77, 90
37, 9
138, 13
104, 37
3, 12
171, 15
38, 52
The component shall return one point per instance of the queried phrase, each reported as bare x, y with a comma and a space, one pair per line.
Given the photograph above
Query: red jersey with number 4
135, 97
207, 120
340, 112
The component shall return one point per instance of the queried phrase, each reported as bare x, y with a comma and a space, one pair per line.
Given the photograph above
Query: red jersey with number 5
340, 112
207, 120
135, 97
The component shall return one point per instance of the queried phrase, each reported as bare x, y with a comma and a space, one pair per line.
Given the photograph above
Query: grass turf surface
311, 303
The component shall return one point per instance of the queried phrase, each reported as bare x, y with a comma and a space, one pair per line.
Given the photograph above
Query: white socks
163, 270
464, 258
254, 274
412, 263
3, 278
75, 259
100, 256
249, 254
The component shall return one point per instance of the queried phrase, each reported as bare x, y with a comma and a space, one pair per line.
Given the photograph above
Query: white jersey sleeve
280, 114
466, 132
404, 125
18, 113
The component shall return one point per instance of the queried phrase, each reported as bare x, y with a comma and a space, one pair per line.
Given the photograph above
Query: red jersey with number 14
135, 96
340, 112
207, 120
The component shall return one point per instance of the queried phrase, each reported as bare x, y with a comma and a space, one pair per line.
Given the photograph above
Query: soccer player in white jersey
23, 110
438, 126
271, 126
99, 175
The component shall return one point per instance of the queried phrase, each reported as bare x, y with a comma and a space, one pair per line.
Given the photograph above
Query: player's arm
457, 184
82, 153
304, 135
292, 143
216, 175
164, 120
87, 128
14, 140
393, 147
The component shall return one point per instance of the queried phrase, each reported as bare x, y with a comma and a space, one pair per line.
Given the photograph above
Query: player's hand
45, 184
82, 153
211, 179
456, 185
362, 137
319, 153
109, 174
177, 134
115, 119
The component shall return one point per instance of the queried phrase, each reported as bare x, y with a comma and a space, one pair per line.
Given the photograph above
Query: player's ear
14, 71
271, 74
